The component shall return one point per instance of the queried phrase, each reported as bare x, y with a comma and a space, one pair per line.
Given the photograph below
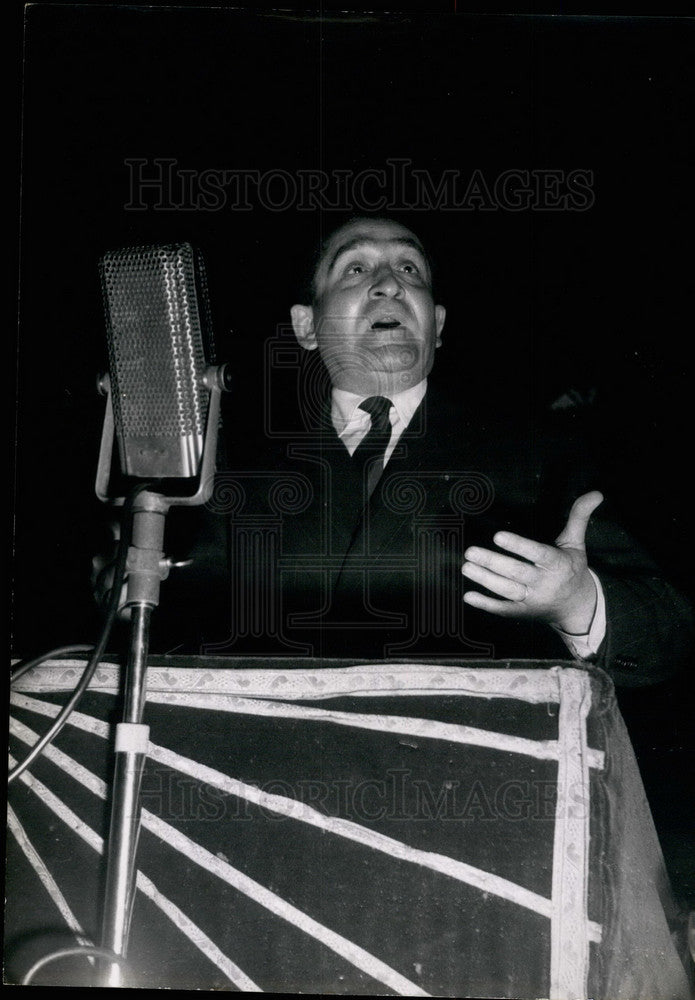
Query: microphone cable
96, 651
88, 950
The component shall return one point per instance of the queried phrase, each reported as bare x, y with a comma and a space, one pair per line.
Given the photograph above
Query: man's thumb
572, 536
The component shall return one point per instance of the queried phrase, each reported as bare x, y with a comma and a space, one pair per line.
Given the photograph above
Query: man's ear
303, 326
439, 317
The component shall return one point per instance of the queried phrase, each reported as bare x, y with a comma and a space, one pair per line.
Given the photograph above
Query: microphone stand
146, 567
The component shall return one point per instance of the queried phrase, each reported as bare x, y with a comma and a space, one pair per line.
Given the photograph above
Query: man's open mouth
386, 324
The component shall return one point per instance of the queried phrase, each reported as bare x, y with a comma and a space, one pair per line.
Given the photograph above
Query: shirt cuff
586, 645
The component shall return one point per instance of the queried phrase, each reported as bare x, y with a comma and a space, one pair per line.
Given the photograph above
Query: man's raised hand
551, 583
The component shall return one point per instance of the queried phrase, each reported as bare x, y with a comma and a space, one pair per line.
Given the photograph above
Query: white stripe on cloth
404, 725
569, 930
485, 881
198, 937
353, 953
533, 686
295, 809
47, 880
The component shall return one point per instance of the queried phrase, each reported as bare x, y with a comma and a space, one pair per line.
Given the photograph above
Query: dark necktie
368, 457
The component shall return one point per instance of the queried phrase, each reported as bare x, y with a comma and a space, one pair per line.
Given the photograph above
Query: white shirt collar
344, 404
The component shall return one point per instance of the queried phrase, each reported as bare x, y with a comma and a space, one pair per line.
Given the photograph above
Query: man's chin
395, 359
380, 371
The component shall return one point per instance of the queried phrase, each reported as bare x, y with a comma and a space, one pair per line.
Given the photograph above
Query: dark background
539, 303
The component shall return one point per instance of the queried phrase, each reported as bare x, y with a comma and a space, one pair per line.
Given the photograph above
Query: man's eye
355, 269
409, 268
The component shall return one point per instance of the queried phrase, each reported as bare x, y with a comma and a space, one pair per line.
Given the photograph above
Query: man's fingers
536, 552
497, 584
574, 532
506, 609
512, 569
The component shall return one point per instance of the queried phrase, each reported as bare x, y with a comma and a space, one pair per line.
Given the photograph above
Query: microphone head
159, 338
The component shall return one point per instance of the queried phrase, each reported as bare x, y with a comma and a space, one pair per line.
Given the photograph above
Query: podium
454, 828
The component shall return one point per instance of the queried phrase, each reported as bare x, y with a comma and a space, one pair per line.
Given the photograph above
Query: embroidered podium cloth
445, 829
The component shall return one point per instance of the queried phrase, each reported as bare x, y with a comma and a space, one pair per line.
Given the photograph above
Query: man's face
373, 321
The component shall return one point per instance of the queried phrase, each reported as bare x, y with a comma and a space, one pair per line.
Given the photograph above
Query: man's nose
386, 283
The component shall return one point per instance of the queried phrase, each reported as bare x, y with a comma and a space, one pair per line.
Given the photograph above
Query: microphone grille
158, 334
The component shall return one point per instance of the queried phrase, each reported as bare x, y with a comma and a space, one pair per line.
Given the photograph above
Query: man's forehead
377, 235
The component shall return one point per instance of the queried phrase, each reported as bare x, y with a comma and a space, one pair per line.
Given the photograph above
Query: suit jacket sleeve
649, 630
649, 623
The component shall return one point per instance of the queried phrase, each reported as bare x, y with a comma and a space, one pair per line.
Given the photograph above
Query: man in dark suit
404, 521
